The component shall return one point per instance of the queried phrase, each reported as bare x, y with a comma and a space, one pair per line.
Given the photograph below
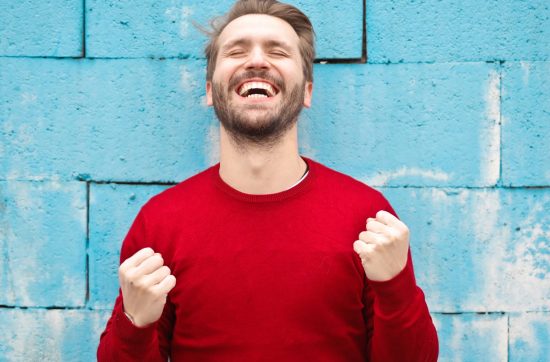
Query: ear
308, 93
209, 101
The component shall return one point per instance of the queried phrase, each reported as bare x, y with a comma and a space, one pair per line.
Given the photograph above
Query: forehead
258, 27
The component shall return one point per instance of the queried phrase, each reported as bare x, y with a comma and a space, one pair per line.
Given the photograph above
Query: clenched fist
145, 282
383, 247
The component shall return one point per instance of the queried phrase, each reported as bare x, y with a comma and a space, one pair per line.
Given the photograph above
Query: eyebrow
247, 42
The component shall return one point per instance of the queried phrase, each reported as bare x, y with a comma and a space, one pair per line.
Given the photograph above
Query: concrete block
41, 28
125, 120
472, 337
165, 28
410, 124
50, 335
526, 124
42, 243
479, 250
530, 337
112, 211
450, 31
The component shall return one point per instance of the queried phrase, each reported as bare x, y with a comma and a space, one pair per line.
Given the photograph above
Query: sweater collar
299, 188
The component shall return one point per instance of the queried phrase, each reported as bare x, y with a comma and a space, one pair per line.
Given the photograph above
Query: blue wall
102, 106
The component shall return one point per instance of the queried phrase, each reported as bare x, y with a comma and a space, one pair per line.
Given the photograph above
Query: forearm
122, 341
402, 326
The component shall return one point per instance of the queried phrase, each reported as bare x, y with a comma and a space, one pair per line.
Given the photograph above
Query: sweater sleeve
121, 340
399, 324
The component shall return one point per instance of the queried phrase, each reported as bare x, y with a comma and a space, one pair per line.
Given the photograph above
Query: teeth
259, 85
256, 96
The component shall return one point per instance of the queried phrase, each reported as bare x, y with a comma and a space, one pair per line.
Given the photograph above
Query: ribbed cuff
131, 334
395, 294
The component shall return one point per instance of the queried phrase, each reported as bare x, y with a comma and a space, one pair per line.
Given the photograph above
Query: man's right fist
145, 282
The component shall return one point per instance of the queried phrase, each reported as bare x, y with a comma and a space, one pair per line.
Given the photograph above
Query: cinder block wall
446, 110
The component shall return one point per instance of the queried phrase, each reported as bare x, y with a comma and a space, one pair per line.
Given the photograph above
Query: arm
398, 321
145, 335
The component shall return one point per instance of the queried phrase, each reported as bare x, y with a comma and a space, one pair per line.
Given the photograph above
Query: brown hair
292, 15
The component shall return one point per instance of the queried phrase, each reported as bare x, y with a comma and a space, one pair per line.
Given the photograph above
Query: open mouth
257, 89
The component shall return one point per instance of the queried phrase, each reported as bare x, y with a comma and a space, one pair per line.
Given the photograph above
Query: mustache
263, 74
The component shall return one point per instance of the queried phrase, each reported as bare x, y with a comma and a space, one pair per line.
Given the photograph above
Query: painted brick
526, 124
530, 337
472, 337
479, 250
128, 120
42, 243
451, 30
164, 28
50, 335
112, 210
407, 124
41, 28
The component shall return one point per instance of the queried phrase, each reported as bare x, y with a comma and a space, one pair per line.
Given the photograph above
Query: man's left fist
383, 247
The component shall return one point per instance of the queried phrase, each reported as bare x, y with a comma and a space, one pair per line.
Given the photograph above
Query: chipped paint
383, 178
188, 81
526, 68
490, 159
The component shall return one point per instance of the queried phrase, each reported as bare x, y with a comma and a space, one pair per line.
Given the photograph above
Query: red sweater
270, 278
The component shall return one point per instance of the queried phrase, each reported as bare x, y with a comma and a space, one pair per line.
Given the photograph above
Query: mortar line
318, 60
53, 307
364, 55
83, 28
500, 181
87, 299
508, 337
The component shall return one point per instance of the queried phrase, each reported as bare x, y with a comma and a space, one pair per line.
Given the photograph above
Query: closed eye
235, 53
278, 53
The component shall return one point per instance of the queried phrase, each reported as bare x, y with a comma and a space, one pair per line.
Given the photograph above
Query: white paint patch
514, 264
15, 175
179, 15
526, 67
22, 337
490, 136
213, 144
488, 330
187, 80
186, 13
383, 178
523, 330
28, 98
29, 211
56, 327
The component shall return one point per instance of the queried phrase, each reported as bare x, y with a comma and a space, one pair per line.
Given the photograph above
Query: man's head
288, 13
260, 70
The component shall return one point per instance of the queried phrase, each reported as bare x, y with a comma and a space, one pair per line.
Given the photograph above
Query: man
266, 256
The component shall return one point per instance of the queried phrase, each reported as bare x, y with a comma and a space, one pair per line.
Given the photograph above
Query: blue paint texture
526, 124
529, 336
102, 105
42, 243
472, 337
457, 30
112, 210
41, 28
165, 28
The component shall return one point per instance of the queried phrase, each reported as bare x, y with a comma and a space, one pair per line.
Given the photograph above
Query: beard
265, 129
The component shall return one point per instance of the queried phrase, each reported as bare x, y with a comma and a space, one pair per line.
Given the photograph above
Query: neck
259, 170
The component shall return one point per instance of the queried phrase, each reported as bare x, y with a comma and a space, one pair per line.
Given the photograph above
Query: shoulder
190, 191
353, 191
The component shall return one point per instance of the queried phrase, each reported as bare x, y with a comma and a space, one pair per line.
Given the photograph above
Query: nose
257, 59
